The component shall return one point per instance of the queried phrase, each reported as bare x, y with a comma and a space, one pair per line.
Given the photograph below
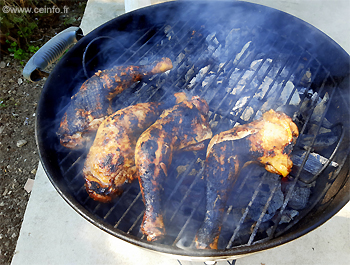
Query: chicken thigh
93, 101
267, 141
111, 159
183, 127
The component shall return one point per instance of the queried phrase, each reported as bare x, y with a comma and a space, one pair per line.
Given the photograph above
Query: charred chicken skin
111, 159
183, 127
268, 141
93, 101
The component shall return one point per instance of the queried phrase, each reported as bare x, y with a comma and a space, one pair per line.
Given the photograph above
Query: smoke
243, 59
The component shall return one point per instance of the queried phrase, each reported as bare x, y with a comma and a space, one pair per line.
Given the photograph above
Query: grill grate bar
136, 221
117, 202
320, 196
272, 193
267, 204
179, 42
290, 191
71, 153
288, 78
179, 235
232, 69
182, 46
238, 227
77, 162
235, 119
198, 176
221, 70
330, 159
178, 184
154, 92
128, 209
133, 46
219, 78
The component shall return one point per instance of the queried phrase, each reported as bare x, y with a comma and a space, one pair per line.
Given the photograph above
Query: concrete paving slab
330, 16
53, 233
98, 12
328, 244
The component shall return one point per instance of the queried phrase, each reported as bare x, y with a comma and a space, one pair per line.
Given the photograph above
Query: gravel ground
18, 152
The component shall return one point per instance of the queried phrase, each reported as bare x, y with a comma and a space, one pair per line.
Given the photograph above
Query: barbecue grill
242, 67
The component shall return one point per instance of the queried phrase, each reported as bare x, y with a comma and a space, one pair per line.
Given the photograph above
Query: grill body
242, 59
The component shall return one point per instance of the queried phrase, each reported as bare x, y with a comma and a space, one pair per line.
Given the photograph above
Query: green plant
2, 104
69, 20
18, 53
33, 49
17, 28
27, 30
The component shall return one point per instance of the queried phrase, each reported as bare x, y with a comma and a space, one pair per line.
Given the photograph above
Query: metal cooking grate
241, 74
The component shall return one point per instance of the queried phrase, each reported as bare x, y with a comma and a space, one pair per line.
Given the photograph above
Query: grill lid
242, 65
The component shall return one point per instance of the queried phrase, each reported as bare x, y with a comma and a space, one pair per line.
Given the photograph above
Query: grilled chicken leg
93, 101
185, 126
268, 141
111, 159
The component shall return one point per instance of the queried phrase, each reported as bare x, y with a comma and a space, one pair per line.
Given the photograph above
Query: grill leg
233, 262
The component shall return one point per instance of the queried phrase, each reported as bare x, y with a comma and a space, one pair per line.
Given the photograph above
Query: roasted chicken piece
268, 141
111, 159
183, 127
93, 101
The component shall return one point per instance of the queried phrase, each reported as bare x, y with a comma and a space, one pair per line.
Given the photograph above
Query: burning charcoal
239, 55
247, 114
322, 141
169, 32
269, 183
306, 79
210, 37
219, 124
232, 42
320, 109
167, 29
178, 60
207, 80
300, 195
189, 73
285, 73
263, 69
255, 64
287, 91
242, 83
201, 74
314, 128
263, 88
271, 102
215, 40
240, 104
261, 200
211, 48
306, 109
218, 52
288, 215
233, 80
313, 164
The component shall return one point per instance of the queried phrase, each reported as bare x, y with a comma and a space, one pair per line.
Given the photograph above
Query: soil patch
18, 151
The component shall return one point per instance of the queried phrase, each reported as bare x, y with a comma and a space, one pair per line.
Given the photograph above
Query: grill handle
50, 53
